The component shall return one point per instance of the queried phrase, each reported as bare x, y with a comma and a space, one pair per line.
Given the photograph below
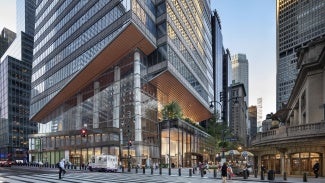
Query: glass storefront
184, 144
303, 162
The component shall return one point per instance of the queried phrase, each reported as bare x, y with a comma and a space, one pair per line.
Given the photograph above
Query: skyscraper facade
15, 76
110, 67
240, 71
298, 22
238, 113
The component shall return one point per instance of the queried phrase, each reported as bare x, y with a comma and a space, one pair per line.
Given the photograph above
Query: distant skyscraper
240, 72
298, 22
259, 112
6, 38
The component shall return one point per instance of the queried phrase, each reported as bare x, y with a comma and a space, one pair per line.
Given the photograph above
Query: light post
222, 135
223, 122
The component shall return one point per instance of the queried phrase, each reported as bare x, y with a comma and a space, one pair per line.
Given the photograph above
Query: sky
248, 26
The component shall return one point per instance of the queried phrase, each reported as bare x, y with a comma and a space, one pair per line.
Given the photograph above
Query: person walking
224, 172
316, 169
61, 168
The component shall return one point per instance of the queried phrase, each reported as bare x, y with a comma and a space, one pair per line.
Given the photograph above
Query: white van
106, 163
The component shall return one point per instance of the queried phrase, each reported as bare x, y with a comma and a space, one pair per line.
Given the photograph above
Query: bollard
144, 169
179, 171
169, 171
190, 172
305, 177
136, 169
215, 173
193, 170
262, 175
284, 175
160, 170
151, 170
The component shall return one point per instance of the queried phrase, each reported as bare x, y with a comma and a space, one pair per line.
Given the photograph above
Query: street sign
234, 139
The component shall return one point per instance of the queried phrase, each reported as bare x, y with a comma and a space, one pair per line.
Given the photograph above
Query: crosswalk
98, 177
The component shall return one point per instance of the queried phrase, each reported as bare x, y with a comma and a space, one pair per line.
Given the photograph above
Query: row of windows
46, 12
144, 17
183, 70
188, 58
76, 26
55, 29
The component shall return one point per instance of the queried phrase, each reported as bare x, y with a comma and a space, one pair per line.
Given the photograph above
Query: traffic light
130, 143
83, 132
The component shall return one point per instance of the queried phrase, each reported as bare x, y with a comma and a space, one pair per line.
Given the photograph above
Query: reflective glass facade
298, 22
14, 109
218, 59
189, 46
15, 74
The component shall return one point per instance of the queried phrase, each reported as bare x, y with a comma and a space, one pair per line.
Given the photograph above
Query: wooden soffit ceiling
128, 40
192, 108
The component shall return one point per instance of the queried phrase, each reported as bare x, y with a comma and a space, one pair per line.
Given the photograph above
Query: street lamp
223, 122
222, 135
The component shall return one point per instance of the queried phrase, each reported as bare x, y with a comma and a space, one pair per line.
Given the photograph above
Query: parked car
5, 163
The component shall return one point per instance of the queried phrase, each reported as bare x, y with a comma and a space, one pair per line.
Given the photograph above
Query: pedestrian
229, 172
224, 172
61, 168
316, 169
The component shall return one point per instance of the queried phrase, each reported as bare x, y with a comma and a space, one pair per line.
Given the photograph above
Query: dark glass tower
15, 76
6, 38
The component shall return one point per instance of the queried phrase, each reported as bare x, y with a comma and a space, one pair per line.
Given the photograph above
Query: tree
172, 111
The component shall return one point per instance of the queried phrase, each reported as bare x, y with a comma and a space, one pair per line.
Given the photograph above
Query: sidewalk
279, 179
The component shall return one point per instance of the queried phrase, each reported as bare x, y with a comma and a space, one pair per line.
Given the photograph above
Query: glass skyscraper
15, 88
298, 22
110, 67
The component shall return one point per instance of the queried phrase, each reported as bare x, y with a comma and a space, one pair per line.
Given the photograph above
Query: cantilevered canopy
128, 40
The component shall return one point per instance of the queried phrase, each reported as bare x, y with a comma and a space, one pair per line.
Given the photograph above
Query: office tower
298, 22
6, 38
15, 75
238, 112
240, 71
226, 82
109, 67
217, 56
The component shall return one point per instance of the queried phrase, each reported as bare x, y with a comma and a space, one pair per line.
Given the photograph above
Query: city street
35, 175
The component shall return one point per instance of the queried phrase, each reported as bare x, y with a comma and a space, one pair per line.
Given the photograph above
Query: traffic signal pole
129, 160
